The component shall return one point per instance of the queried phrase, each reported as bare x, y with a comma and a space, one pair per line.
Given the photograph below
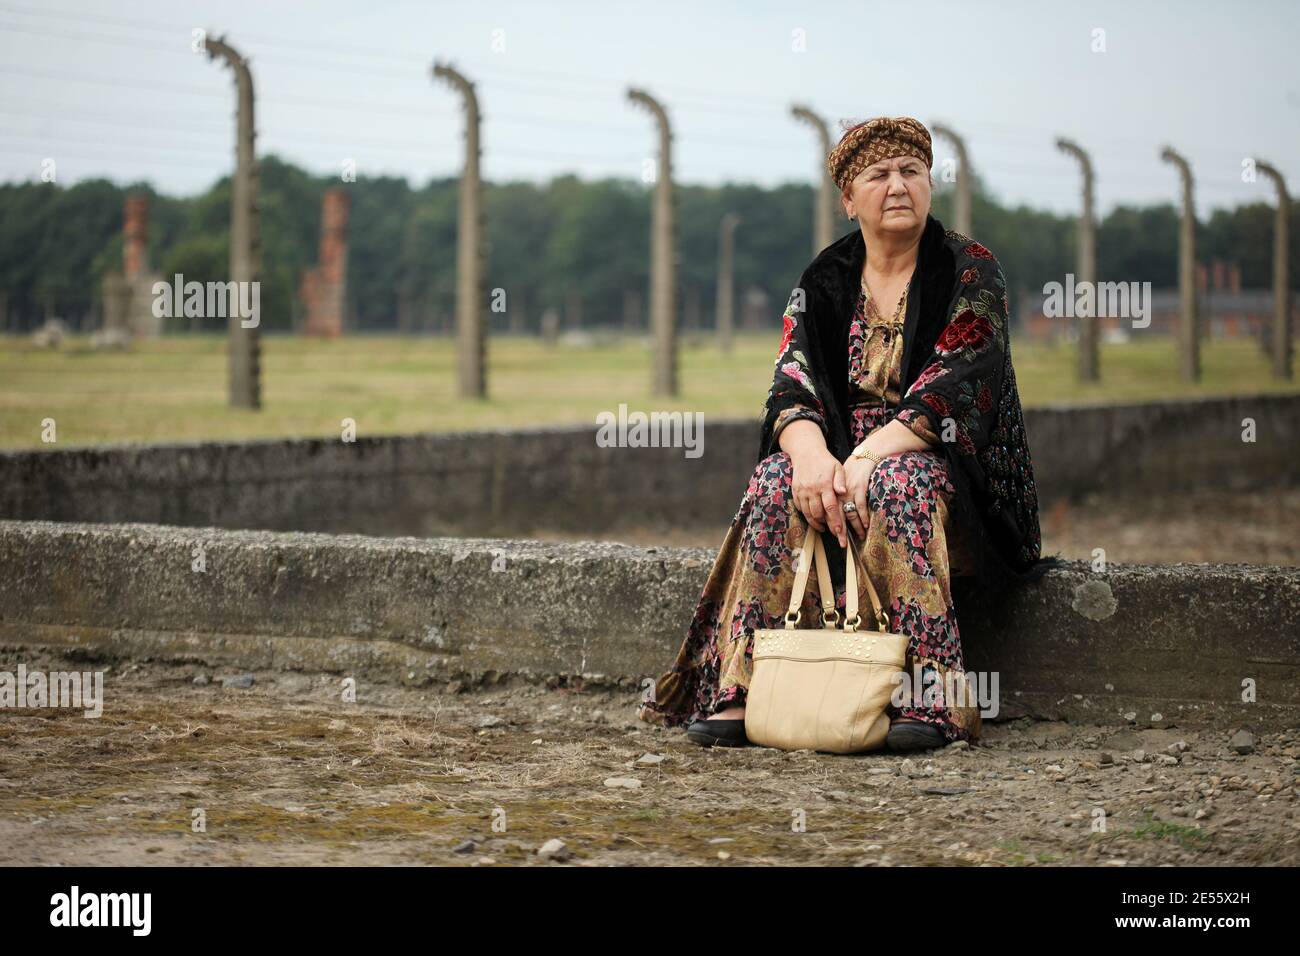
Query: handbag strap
795, 611
882, 619
813, 546
830, 613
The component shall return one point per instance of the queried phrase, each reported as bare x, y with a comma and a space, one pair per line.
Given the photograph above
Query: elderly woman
893, 425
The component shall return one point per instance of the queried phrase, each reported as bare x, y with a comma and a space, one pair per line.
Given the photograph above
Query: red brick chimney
334, 235
324, 287
1220, 275
135, 236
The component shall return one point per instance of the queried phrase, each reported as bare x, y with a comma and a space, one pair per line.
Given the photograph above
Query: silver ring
850, 507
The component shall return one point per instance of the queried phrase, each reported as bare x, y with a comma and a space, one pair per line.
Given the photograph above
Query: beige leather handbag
824, 689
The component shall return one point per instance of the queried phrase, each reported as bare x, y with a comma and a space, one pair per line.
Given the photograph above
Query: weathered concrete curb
1178, 638
517, 483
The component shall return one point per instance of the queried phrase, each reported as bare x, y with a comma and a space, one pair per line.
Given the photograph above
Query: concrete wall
514, 483
1177, 639
1162, 447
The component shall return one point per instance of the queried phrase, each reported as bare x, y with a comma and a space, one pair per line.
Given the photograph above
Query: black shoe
719, 733
913, 735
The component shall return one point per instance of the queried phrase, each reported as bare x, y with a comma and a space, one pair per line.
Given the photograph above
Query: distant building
755, 309
324, 288
127, 296
1224, 311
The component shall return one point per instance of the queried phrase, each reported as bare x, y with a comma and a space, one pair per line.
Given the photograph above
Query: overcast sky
113, 89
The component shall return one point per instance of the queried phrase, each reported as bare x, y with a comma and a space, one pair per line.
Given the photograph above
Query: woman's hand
857, 474
893, 438
817, 485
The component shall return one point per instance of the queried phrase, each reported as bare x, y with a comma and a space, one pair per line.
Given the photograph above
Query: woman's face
891, 197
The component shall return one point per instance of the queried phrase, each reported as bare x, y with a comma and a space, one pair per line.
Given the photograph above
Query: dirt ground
286, 772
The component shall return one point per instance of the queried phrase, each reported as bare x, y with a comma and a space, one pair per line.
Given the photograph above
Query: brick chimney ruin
324, 288
127, 296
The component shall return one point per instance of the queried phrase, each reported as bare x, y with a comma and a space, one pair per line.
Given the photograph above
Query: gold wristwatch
863, 453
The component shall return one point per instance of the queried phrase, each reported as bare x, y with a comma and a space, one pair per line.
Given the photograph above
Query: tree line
573, 245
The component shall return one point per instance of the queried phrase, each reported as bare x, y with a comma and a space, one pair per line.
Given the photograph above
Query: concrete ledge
518, 483
1178, 638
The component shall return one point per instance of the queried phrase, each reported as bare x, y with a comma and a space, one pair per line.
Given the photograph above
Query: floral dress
912, 548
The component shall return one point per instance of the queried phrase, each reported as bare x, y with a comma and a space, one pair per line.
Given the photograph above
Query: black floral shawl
956, 369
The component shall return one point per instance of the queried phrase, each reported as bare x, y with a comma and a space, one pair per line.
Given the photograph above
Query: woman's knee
902, 476
769, 514
769, 485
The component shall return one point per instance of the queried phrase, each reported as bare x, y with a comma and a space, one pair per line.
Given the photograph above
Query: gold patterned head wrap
873, 140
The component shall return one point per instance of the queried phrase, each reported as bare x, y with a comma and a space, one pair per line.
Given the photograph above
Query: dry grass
174, 388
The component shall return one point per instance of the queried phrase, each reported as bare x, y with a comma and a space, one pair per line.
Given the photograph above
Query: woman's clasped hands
823, 487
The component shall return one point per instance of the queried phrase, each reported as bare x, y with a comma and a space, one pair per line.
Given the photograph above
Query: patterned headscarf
881, 138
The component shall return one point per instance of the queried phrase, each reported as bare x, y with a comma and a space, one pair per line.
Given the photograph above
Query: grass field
175, 388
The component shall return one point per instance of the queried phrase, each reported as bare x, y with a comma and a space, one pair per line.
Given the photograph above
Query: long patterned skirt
911, 547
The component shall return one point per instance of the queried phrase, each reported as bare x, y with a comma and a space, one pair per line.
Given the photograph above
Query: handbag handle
812, 545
